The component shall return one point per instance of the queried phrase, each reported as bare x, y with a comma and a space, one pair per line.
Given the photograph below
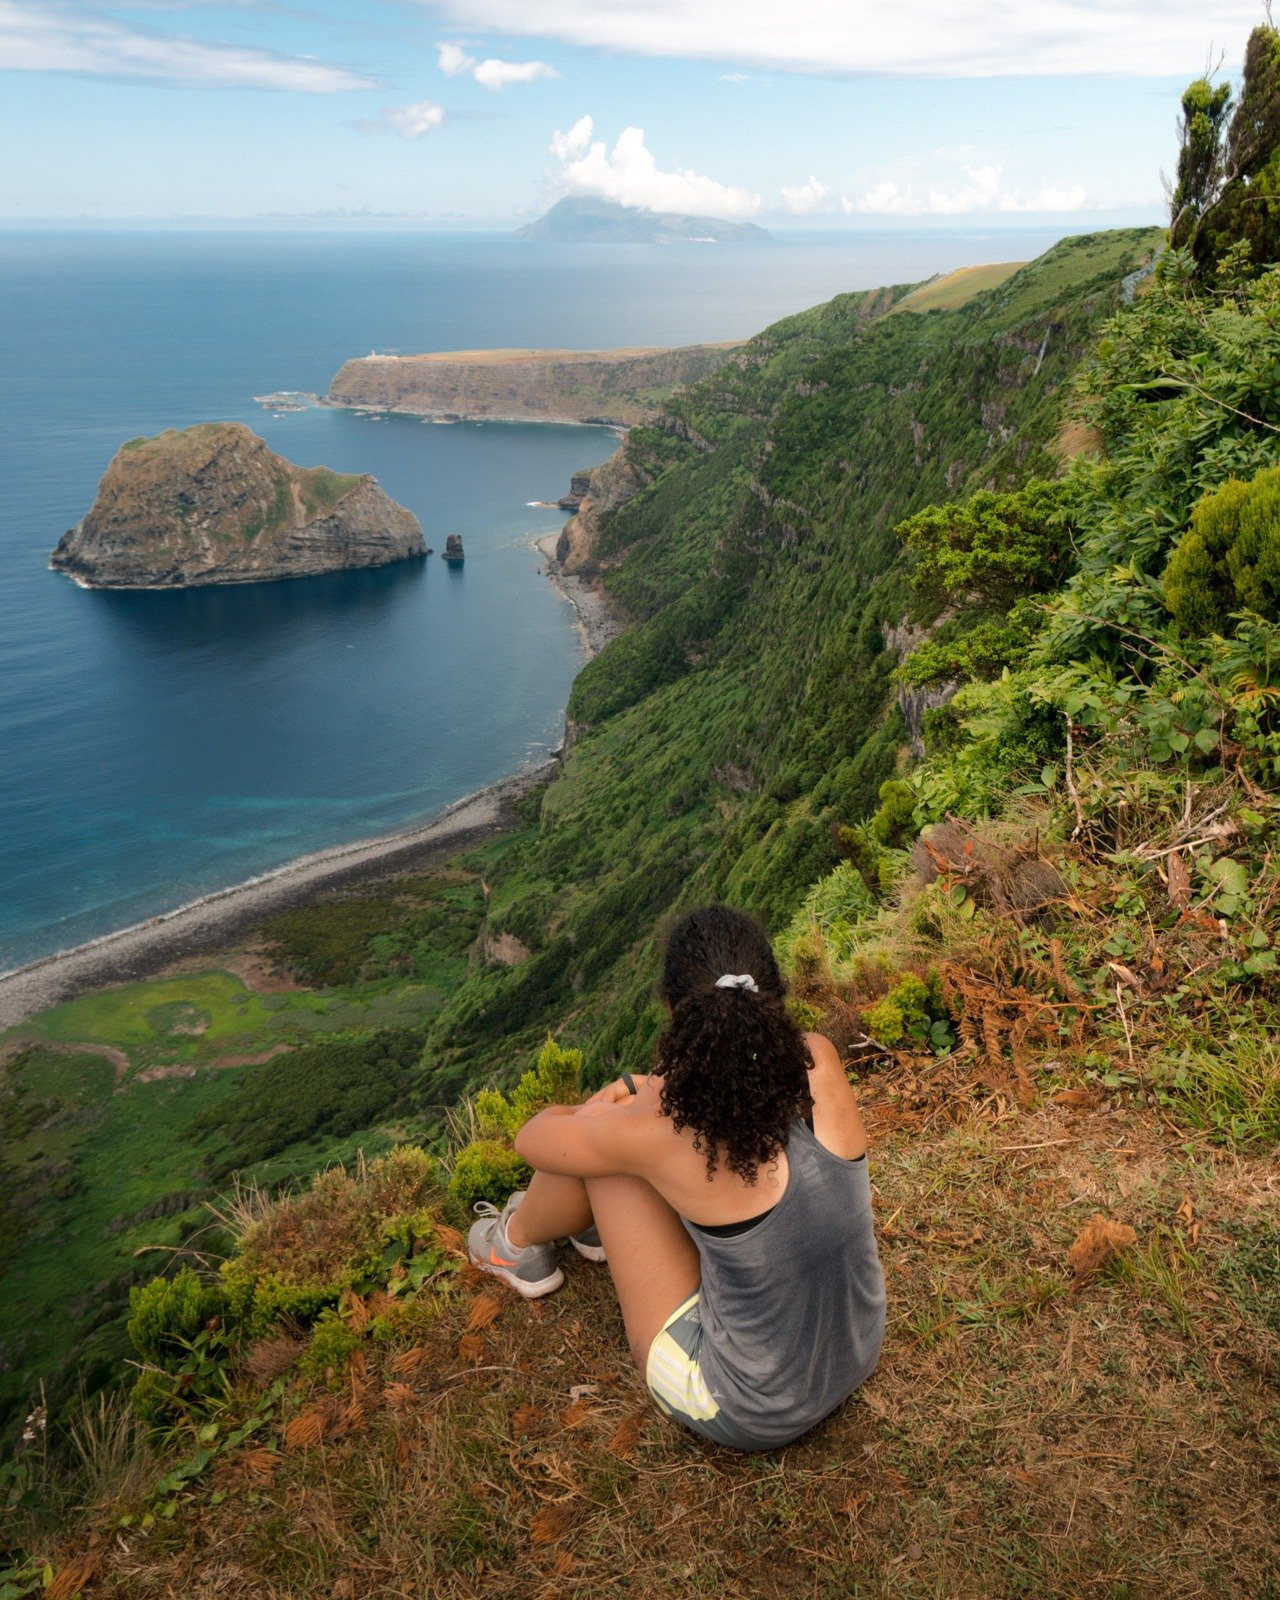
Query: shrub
487, 1169
166, 1314
306, 1250
822, 934
911, 1013
893, 824
903, 1010
325, 1358
1229, 560
992, 549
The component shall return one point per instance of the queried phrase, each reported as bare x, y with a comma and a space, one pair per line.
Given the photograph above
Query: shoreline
210, 922
206, 925
593, 617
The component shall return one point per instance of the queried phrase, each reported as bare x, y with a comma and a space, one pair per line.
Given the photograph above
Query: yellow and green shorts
674, 1377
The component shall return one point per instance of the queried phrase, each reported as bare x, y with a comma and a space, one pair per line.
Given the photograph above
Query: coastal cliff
212, 504
623, 387
607, 486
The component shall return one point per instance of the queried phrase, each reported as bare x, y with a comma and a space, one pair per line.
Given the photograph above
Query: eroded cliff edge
623, 387
212, 504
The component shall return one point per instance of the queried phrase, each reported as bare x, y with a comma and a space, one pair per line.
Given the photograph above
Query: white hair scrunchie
737, 980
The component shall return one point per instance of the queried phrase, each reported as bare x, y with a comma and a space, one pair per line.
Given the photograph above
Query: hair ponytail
733, 1063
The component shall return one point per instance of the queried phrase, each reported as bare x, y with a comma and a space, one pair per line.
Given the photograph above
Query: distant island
212, 504
580, 220
616, 387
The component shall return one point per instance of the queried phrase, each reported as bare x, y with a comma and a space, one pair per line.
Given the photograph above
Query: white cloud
491, 73
1048, 199
412, 121
949, 38
494, 74
37, 37
454, 60
982, 190
629, 175
572, 146
805, 198
978, 194
732, 77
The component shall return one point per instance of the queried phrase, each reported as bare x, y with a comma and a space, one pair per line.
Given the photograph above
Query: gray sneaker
588, 1244
530, 1271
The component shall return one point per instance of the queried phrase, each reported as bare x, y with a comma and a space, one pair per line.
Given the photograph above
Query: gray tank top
793, 1310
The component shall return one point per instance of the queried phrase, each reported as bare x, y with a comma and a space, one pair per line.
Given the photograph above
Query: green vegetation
1226, 202
275, 515
321, 488
487, 1166
409, 926
1229, 560
322, 1091
750, 710
89, 1175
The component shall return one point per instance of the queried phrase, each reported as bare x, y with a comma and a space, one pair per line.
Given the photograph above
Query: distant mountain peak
583, 220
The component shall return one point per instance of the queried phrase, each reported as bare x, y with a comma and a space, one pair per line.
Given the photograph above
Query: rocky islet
213, 504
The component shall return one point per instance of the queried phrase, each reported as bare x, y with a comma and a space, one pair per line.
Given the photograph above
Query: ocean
158, 746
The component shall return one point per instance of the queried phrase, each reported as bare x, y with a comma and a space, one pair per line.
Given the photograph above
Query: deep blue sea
155, 747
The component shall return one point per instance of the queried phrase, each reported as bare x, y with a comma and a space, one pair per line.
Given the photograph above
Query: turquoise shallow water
154, 747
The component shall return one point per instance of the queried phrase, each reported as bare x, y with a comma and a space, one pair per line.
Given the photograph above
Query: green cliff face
751, 707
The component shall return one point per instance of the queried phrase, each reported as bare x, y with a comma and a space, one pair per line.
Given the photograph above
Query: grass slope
1027, 1433
956, 289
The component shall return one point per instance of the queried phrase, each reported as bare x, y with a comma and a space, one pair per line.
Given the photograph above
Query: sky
460, 114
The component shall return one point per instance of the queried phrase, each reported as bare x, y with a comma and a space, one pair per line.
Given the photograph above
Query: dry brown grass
1019, 1439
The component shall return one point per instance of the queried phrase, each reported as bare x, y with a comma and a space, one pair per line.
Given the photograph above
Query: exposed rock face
608, 486
453, 551
903, 638
616, 386
212, 504
579, 488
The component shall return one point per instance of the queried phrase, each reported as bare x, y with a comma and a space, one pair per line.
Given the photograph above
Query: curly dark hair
733, 1063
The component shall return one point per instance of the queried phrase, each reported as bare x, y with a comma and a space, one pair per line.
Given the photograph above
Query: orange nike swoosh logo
497, 1260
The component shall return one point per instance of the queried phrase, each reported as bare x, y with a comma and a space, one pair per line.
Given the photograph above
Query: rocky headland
212, 504
616, 387
596, 493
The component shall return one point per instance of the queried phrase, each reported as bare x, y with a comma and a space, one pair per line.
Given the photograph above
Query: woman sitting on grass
728, 1191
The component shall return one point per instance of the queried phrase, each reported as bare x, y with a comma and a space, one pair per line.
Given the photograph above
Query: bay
155, 747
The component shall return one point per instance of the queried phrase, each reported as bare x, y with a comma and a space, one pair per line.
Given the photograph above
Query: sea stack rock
212, 504
453, 549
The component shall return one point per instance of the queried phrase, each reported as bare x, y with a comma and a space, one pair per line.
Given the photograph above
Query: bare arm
837, 1122
600, 1139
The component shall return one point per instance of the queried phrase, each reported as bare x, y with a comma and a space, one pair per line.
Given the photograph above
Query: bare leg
553, 1207
653, 1261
